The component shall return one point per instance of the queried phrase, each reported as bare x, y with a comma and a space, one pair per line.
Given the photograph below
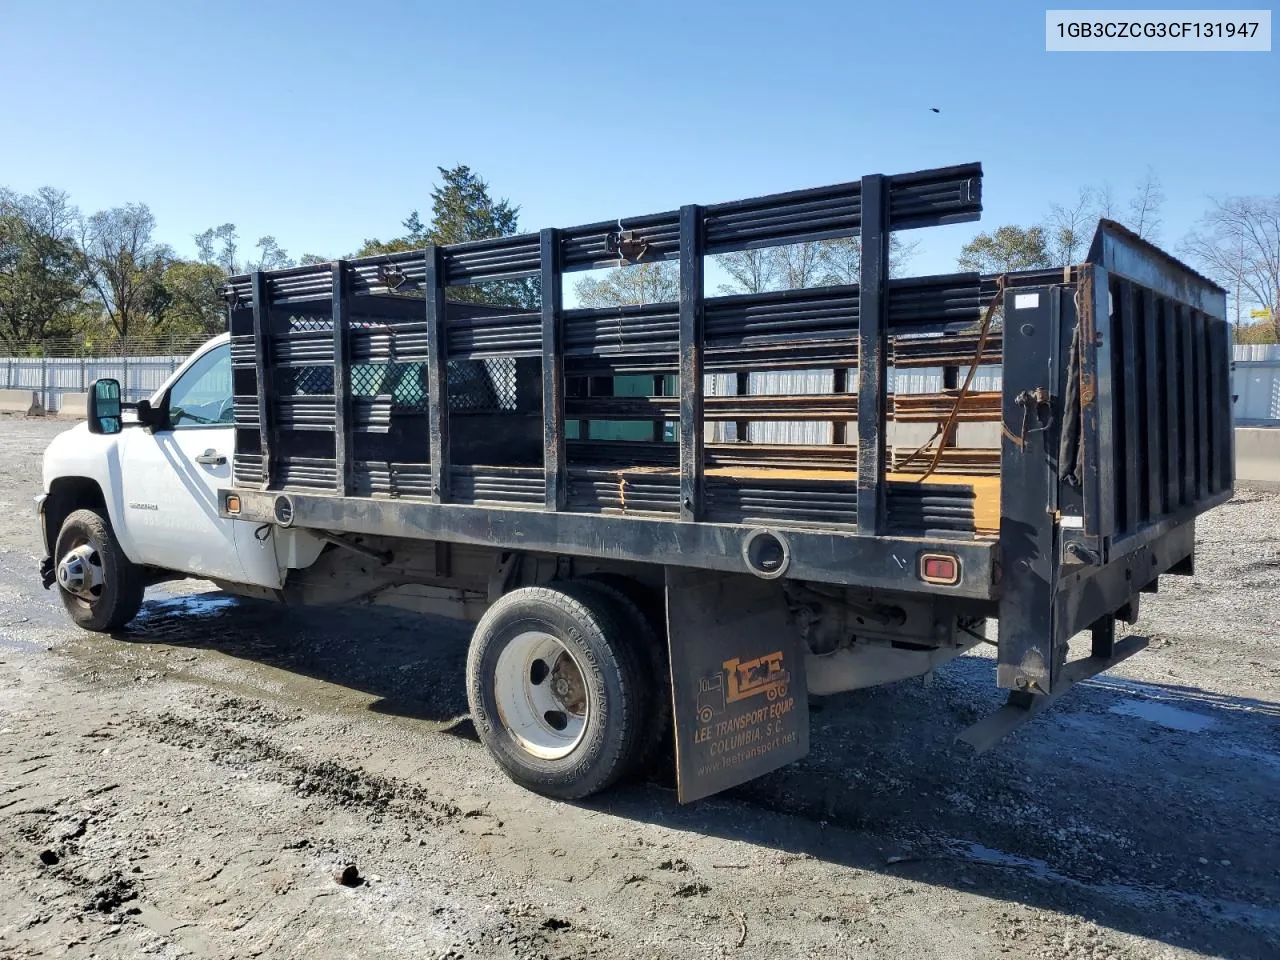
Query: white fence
915, 380
1257, 385
50, 377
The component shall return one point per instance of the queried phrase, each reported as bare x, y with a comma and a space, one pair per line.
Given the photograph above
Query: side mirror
104, 406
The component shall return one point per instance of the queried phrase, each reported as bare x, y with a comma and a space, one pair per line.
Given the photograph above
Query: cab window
202, 395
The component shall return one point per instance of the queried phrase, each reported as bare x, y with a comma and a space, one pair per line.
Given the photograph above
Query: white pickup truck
124, 510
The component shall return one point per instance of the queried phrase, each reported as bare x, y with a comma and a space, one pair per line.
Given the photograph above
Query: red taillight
940, 568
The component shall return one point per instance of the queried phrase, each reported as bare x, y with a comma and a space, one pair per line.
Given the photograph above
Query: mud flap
737, 678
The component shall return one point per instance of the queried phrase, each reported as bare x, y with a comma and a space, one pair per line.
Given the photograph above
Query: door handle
212, 458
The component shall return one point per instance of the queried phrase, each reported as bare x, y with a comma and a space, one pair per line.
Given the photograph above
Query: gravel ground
189, 788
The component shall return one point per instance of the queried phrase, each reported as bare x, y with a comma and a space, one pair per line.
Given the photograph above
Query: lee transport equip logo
729, 739
1157, 30
761, 676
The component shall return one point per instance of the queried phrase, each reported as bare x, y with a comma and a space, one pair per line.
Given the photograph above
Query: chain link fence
100, 345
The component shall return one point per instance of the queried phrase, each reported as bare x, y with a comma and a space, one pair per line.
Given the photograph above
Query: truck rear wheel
100, 587
645, 611
557, 691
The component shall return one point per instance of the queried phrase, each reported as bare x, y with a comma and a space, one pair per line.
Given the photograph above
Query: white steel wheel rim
541, 695
80, 572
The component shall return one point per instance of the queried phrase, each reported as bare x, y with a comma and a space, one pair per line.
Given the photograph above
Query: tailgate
1117, 433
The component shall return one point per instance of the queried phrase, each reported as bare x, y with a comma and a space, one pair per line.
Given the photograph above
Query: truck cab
154, 486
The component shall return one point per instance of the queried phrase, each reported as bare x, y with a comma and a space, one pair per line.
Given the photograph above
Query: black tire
118, 597
592, 628
645, 609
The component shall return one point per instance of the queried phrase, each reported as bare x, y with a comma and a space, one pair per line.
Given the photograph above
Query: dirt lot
188, 789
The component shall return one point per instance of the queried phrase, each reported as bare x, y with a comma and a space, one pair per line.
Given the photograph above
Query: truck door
170, 477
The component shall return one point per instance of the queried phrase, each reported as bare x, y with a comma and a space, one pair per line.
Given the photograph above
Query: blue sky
323, 123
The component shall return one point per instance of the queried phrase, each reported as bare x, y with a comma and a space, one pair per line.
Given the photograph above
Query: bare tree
901, 253
842, 259
123, 264
751, 271
798, 265
1237, 242
1070, 227
1145, 205
631, 284
823, 262
1106, 200
787, 267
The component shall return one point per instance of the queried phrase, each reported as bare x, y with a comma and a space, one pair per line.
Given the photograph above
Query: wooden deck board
985, 488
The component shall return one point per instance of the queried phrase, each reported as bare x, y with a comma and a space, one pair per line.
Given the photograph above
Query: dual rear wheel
567, 687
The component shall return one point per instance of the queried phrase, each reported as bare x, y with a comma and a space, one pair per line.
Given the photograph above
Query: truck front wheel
100, 587
557, 690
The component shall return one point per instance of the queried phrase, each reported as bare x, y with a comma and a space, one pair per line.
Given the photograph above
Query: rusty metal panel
832, 556
1186, 402
262, 368
873, 349
1225, 452
437, 375
690, 435
1154, 412
553, 438
1203, 393
1122, 253
344, 451
737, 678
1097, 402
1172, 422
1028, 653
1125, 383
